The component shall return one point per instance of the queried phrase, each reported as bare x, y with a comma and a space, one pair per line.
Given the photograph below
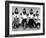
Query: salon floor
24, 29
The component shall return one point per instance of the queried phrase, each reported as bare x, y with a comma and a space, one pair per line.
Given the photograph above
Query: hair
24, 12
31, 11
15, 11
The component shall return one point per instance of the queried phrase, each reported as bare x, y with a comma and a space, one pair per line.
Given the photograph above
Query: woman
31, 22
24, 18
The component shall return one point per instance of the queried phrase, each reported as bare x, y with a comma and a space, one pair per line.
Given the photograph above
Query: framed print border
7, 18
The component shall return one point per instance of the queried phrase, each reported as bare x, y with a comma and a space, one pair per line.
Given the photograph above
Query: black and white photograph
25, 18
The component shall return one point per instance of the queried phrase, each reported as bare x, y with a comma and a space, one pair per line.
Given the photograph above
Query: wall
2, 19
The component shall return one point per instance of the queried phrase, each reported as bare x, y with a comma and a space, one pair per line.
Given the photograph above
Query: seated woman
15, 23
24, 18
37, 20
31, 22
